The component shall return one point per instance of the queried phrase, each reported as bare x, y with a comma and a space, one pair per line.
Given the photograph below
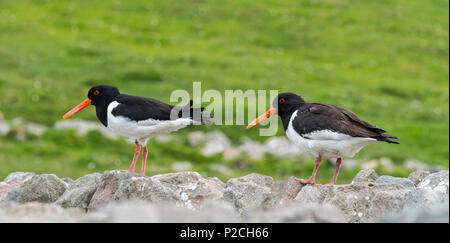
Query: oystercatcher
138, 118
323, 131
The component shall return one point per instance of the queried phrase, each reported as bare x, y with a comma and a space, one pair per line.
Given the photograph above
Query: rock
145, 188
222, 169
348, 164
196, 138
371, 164
231, 153
438, 182
135, 211
4, 128
413, 164
253, 149
192, 195
37, 212
18, 176
365, 177
181, 166
284, 192
312, 194
408, 184
417, 176
107, 187
215, 142
120, 196
29, 127
80, 192
299, 213
44, 188
10, 186
83, 127
178, 178
435, 214
248, 192
387, 164
281, 147
165, 138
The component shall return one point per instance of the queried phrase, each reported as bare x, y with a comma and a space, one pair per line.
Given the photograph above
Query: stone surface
41, 188
215, 142
79, 193
365, 177
248, 192
120, 196
417, 176
438, 181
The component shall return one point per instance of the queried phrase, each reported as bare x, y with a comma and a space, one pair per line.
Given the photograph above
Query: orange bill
78, 108
262, 117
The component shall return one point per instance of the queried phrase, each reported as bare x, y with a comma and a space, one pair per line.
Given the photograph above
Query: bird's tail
196, 114
386, 138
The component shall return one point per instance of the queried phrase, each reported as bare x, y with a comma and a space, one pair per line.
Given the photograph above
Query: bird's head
283, 104
97, 95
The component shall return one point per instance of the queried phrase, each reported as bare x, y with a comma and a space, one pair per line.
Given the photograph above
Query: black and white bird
323, 131
138, 118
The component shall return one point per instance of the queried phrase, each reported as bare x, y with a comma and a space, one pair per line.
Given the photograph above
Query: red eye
96, 92
282, 100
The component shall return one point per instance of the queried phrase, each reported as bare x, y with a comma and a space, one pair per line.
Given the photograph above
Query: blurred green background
388, 61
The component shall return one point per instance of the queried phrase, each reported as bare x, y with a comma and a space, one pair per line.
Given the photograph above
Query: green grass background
388, 61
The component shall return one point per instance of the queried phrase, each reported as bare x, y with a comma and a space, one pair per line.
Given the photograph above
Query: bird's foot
142, 173
310, 181
130, 170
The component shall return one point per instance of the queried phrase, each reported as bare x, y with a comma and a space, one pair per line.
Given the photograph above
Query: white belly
326, 143
142, 130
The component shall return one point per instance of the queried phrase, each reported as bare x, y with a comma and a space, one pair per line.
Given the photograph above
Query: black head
102, 94
287, 103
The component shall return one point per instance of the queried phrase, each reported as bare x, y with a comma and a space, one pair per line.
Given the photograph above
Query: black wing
315, 117
141, 108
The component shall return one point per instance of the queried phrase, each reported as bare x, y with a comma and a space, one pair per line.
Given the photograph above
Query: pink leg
312, 179
144, 159
336, 173
135, 157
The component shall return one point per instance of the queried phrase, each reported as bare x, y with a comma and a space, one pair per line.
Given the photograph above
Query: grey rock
181, 166
231, 153
41, 188
299, 213
408, 184
252, 149
312, 194
438, 181
192, 195
222, 169
215, 142
248, 192
144, 188
4, 128
280, 147
413, 164
284, 192
196, 138
83, 127
363, 177
178, 178
10, 186
18, 176
417, 176
435, 214
80, 192
107, 187
13, 194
